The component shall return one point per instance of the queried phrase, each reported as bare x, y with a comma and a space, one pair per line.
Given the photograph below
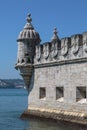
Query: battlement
68, 48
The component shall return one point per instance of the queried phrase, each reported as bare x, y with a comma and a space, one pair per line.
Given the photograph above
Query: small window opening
42, 93
60, 94
81, 95
22, 61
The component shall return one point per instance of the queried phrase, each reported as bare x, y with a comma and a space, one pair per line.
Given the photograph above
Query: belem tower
55, 74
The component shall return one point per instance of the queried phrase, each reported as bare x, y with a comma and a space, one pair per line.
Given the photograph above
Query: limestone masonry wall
68, 77
60, 75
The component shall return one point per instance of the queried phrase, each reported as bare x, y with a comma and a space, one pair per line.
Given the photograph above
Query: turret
27, 40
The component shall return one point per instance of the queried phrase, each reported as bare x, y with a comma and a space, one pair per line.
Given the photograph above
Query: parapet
67, 49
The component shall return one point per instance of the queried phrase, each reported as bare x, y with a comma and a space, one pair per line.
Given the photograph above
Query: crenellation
65, 45
73, 47
76, 42
46, 50
38, 52
54, 50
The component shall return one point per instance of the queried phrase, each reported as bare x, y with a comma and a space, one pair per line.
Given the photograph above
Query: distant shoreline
11, 88
11, 83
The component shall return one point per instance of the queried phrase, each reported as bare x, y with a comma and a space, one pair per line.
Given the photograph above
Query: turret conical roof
29, 32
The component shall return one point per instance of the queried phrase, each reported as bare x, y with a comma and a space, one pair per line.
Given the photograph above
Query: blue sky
69, 16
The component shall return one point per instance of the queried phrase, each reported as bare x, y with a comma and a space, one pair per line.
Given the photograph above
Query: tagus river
12, 103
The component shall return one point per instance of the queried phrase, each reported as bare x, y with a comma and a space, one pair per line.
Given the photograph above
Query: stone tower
27, 40
55, 74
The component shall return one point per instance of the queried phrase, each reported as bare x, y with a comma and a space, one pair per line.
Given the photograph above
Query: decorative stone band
56, 63
62, 115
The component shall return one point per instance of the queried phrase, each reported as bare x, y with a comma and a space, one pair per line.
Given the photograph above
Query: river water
12, 104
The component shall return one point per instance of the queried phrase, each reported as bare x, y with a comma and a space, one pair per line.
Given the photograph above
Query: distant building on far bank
55, 74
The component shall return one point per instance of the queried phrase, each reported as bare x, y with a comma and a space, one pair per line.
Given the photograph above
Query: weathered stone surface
68, 76
56, 115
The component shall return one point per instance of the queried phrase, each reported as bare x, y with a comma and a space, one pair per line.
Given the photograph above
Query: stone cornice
64, 62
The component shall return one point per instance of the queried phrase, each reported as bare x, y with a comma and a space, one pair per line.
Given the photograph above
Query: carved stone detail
54, 50
38, 52
46, 51
75, 44
64, 46
85, 42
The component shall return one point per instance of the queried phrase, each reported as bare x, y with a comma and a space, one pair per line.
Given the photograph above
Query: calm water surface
12, 103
